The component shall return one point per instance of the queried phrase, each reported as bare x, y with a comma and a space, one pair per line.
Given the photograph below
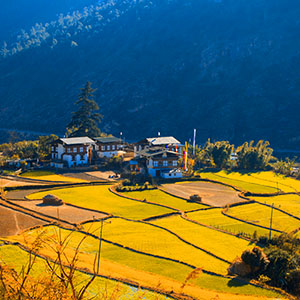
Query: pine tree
85, 120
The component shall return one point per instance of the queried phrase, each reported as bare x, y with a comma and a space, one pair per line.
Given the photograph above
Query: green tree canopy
85, 120
252, 157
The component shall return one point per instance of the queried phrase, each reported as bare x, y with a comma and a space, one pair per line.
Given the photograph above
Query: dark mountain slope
228, 68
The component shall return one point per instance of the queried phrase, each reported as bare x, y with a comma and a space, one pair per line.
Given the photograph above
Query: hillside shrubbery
278, 264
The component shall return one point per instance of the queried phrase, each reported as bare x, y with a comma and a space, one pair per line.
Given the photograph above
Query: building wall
171, 175
107, 153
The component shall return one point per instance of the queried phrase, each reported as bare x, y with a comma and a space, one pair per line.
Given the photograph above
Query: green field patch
261, 214
153, 240
49, 176
16, 258
242, 181
288, 203
100, 198
285, 184
150, 265
214, 218
256, 182
160, 197
221, 244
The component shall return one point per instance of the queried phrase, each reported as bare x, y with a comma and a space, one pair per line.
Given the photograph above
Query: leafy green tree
284, 167
23, 150
45, 145
252, 157
281, 263
85, 120
256, 259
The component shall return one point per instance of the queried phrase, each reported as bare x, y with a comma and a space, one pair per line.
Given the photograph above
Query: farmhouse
160, 162
108, 146
168, 142
71, 152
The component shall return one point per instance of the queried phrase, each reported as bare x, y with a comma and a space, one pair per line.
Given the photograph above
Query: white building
109, 146
71, 152
168, 142
161, 163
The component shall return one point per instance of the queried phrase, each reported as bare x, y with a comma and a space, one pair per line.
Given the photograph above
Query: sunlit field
100, 198
49, 176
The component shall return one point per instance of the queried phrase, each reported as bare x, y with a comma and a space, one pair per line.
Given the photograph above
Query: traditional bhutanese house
161, 162
109, 146
168, 142
71, 152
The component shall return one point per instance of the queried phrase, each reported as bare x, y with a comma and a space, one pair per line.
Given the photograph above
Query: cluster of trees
278, 264
91, 19
40, 148
248, 156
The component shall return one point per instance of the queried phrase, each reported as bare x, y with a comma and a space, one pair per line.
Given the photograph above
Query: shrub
281, 263
293, 281
256, 259
195, 198
126, 182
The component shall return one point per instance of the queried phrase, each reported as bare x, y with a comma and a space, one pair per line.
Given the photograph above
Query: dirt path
211, 193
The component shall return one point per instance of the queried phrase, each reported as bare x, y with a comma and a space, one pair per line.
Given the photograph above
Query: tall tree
85, 120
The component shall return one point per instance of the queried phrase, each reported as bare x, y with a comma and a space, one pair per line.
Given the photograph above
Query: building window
113, 147
165, 163
81, 149
118, 146
69, 150
52, 148
175, 163
74, 150
155, 163
103, 148
108, 148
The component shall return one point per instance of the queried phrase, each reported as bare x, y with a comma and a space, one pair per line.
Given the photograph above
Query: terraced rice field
14, 256
123, 263
215, 218
244, 182
210, 193
164, 250
100, 198
221, 244
150, 239
160, 197
260, 215
288, 203
50, 176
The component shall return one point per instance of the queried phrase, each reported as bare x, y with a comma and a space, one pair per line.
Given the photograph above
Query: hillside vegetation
228, 68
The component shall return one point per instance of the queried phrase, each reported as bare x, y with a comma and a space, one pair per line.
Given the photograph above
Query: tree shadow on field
237, 282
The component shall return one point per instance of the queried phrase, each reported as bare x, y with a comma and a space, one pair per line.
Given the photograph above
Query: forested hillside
228, 68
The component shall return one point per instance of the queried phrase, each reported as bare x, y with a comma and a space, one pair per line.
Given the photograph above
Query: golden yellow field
164, 250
